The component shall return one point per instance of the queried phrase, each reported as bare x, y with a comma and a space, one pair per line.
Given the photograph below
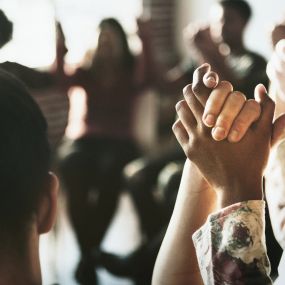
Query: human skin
196, 200
222, 163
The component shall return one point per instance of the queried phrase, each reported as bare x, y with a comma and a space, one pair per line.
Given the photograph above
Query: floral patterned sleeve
231, 247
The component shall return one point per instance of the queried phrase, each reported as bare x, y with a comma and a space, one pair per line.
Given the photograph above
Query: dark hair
6, 29
24, 153
128, 58
239, 5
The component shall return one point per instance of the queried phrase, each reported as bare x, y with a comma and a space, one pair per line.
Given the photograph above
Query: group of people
226, 135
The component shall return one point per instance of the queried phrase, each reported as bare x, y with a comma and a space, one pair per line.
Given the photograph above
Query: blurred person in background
99, 139
138, 265
221, 44
45, 87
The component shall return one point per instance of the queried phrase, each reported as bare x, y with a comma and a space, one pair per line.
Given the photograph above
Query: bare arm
234, 181
195, 201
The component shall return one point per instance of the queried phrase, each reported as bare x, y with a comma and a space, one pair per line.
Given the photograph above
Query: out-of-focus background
34, 45
34, 29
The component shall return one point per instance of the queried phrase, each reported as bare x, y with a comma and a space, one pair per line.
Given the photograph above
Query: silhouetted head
229, 19
24, 158
6, 29
112, 42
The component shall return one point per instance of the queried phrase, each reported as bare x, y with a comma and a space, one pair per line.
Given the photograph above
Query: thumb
278, 134
260, 93
267, 106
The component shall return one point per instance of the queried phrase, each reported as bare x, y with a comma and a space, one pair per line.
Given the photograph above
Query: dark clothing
249, 70
154, 217
91, 169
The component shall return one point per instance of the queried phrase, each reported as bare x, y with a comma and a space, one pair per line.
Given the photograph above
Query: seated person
138, 265
230, 246
28, 190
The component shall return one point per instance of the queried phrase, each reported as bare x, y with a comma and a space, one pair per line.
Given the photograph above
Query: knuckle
202, 129
226, 85
187, 90
214, 105
179, 105
176, 127
253, 106
196, 87
240, 125
239, 96
223, 121
270, 102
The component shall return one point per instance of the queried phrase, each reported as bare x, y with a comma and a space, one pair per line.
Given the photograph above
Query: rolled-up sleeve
231, 248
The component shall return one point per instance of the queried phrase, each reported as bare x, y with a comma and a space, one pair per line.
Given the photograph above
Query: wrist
237, 192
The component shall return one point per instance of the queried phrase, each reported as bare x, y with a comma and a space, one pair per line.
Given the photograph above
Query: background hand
144, 27
61, 48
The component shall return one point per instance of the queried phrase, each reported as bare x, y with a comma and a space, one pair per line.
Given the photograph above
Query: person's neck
21, 268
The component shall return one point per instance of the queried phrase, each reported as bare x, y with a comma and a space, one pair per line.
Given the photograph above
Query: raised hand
60, 41
226, 165
199, 37
228, 112
144, 27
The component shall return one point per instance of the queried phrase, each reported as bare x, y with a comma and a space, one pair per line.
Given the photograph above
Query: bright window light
33, 41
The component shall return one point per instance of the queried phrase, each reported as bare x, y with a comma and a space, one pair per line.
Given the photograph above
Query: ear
46, 214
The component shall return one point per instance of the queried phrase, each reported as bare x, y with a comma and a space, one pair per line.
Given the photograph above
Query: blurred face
109, 42
227, 25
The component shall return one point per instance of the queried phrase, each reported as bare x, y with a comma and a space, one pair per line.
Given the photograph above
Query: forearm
147, 68
176, 262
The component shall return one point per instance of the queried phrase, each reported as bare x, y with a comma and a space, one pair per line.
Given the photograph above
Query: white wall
265, 14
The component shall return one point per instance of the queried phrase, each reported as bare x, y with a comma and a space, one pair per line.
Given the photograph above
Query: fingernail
218, 133
209, 120
234, 136
261, 86
211, 81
